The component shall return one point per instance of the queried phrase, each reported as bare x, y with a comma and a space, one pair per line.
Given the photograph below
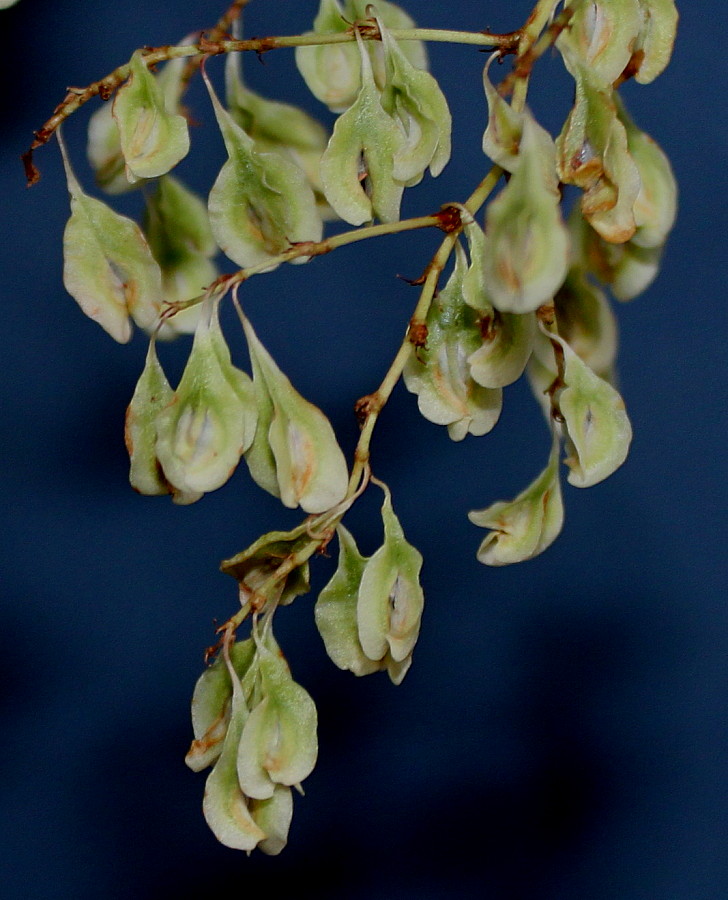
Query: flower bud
413, 98
656, 38
179, 235
526, 250
278, 744
108, 267
335, 610
438, 372
597, 429
524, 527
593, 154
600, 36
390, 601
152, 139
260, 202
211, 420
295, 455
365, 135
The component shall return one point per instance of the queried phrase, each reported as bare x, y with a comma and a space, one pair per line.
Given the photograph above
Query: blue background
562, 733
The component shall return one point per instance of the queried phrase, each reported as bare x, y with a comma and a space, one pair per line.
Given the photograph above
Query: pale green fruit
655, 207
586, 322
179, 235
656, 38
596, 426
505, 350
502, 137
274, 816
153, 140
524, 527
295, 454
225, 806
526, 250
260, 203
211, 419
390, 600
391, 16
211, 705
332, 72
258, 563
278, 744
108, 267
594, 155
601, 36
414, 99
365, 135
335, 610
439, 373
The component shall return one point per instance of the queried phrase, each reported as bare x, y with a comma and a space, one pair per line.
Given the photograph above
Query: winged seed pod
391, 16
278, 128
601, 36
502, 137
260, 203
507, 345
224, 805
653, 48
211, 704
656, 204
596, 426
439, 373
151, 395
211, 419
179, 235
295, 455
524, 527
274, 816
413, 97
278, 744
335, 610
526, 251
592, 153
108, 267
152, 139
390, 600
365, 135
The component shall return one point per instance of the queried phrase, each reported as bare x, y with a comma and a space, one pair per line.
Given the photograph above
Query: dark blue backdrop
562, 732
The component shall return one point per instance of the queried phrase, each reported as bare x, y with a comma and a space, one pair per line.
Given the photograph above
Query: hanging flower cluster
527, 292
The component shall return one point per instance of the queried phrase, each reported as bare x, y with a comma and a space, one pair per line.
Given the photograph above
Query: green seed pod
438, 372
274, 816
656, 204
260, 203
506, 348
278, 744
256, 565
152, 139
108, 267
390, 601
502, 137
331, 71
601, 36
225, 806
655, 41
178, 231
594, 155
524, 527
585, 320
365, 135
412, 97
526, 251
278, 128
335, 610
211, 705
211, 419
597, 429
295, 454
